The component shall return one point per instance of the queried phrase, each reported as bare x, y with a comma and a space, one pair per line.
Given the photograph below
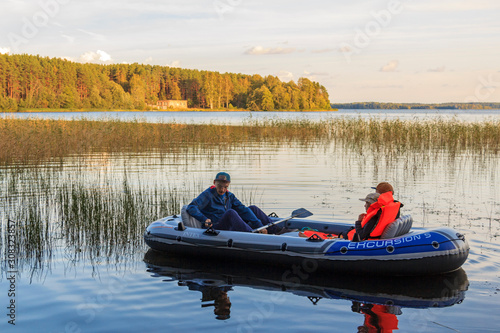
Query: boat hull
425, 252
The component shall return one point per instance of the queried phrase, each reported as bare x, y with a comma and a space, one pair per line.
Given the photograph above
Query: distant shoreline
416, 106
162, 110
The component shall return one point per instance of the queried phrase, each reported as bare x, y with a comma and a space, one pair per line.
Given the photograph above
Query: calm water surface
240, 117
130, 289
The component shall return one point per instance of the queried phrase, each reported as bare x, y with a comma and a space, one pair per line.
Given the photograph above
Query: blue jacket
211, 205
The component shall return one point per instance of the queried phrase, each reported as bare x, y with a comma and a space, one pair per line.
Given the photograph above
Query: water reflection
379, 300
212, 290
238, 117
378, 318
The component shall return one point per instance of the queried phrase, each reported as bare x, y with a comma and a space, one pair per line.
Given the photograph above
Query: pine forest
30, 82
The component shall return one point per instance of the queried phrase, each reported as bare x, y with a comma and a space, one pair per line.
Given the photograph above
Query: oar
301, 212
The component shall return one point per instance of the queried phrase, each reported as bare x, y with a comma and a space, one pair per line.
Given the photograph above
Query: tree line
31, 82
417, 106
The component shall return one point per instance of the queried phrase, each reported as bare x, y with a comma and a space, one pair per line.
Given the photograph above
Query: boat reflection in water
380, 299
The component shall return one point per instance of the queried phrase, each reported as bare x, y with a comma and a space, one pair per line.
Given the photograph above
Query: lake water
240, 117
74, 286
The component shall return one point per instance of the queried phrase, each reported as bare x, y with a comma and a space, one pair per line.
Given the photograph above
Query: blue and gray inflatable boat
400, 251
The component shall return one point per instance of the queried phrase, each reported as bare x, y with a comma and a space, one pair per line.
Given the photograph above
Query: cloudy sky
423, 51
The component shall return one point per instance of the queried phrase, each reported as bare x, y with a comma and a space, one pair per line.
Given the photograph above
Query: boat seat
188, 220
398, 228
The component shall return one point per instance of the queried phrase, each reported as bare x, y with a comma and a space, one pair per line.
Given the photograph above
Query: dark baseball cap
370, 198
223, 176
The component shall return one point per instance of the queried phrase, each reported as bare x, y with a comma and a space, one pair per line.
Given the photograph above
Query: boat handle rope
315, 238
211, 231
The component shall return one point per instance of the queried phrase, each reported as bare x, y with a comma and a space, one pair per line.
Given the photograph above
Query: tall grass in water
429, 134
24, 208
99, 219
37, 140
104, 220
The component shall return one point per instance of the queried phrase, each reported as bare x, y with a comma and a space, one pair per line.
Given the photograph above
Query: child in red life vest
369, 199
381, 210
379, 214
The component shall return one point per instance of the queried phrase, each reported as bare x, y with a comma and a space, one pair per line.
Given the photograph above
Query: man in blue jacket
218, 207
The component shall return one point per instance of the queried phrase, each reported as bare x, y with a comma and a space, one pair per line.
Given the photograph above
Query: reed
101, 217
40, 140
25, 209
52, 210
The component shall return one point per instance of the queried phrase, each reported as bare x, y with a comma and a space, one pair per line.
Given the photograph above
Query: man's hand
208, 223
263, 231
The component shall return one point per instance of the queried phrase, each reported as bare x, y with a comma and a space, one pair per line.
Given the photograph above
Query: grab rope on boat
315, 238
211, 231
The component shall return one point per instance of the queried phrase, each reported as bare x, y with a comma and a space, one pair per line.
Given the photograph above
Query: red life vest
380, 320
389, 210
309, 233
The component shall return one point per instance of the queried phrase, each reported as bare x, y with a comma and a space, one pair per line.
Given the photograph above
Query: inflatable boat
209, 274
399, 252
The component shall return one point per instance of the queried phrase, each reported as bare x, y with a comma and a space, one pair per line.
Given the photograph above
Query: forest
417, 106
29, 82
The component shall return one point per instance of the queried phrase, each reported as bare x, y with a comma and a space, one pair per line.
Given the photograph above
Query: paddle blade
301, 212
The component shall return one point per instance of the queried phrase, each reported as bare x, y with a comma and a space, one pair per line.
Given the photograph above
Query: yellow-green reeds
100, 218
38, 140
51, 208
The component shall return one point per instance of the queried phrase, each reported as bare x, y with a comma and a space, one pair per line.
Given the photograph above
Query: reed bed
97, 218
24, 206
100, 218
438, 133
101, 221
38, 140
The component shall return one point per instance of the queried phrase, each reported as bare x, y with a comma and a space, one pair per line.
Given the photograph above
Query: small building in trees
172, 104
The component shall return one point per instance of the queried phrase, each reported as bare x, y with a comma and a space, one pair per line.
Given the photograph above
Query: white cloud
99, 56
175, 63
259, 50
88, 57
103, 56
285, 76
4, 50
390, 67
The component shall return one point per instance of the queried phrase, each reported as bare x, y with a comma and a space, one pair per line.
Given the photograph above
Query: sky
403, 51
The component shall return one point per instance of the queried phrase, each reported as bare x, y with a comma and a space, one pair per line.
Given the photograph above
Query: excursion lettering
383, 243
